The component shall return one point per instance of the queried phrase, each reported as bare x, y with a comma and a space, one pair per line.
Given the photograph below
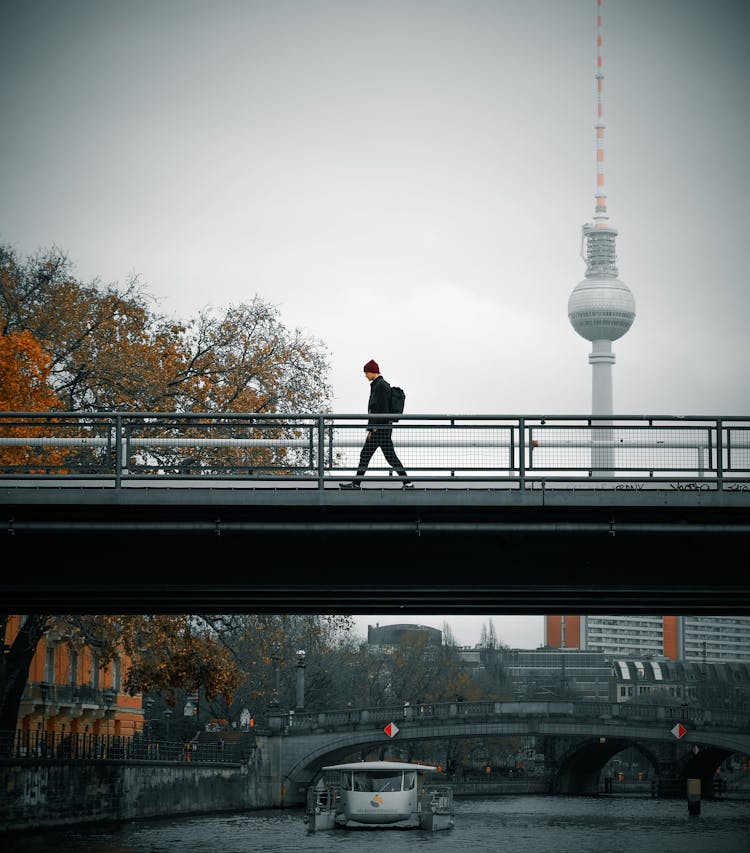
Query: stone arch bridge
578, 739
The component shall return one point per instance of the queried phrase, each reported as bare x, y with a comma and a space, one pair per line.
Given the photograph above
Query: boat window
410, 780
377, 781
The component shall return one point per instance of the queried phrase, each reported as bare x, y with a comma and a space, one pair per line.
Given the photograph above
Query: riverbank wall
527, 785
49, 793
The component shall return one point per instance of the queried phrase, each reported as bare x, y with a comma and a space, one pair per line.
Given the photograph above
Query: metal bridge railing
319, 449
304, 722
36, 744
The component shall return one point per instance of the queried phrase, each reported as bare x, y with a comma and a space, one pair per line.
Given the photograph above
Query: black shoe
408, 486
349, 486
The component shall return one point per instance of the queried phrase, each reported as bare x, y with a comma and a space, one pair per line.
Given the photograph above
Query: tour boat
380, 794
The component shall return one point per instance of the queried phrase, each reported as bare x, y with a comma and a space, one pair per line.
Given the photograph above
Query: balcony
69, 700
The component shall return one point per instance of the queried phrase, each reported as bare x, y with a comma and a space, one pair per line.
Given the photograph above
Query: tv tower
601, 308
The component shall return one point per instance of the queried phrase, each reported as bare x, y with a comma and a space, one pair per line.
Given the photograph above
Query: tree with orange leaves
24, 378
109, 350
223, 656
167, 653
103, 348
24, 374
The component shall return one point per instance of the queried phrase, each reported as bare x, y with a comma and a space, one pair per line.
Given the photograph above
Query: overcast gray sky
405, 179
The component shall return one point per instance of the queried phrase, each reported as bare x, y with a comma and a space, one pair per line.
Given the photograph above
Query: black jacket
379, 402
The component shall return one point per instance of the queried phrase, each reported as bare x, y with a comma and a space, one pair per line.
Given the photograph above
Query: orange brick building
68, 692
654, 635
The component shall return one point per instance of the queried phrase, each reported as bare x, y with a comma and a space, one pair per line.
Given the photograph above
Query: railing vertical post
321, 451
330, 446
719, 455
522, 452
118, 450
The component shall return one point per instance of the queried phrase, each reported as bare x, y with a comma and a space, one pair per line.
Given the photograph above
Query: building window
73, 667
49, 665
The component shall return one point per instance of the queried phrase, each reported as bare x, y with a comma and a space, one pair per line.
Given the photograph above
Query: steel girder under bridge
134, 512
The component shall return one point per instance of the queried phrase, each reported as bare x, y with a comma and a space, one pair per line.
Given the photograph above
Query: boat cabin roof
377, 766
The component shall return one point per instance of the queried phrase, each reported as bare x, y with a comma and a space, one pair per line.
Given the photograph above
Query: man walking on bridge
378, 431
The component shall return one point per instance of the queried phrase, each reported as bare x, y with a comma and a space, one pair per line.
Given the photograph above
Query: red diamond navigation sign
679, 730
391, 730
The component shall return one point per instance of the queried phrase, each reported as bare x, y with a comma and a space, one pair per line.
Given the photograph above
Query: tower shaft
601, 359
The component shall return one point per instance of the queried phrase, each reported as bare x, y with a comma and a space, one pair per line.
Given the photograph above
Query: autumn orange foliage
167, 652
24, 374
85, 348
107, 350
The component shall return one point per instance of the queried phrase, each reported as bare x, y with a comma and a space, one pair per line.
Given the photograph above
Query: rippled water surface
529, 824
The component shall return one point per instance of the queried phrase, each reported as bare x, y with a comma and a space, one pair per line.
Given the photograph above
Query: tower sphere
601, 308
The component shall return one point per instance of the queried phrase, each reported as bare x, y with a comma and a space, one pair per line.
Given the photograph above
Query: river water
508, 824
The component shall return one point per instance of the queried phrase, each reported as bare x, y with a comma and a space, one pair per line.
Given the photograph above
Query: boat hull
321, 821
436, 808
378, 808
435, 822
322, 808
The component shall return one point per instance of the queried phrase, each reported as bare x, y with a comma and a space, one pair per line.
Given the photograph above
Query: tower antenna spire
600, 211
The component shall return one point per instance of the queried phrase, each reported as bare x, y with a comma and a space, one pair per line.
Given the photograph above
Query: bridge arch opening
581, 768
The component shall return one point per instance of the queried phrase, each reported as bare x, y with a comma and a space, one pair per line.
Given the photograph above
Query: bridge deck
435, 549
517, 514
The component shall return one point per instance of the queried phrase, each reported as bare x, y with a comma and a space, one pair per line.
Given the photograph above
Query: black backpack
398, 398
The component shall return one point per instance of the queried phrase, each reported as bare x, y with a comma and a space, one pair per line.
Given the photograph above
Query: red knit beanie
372, 366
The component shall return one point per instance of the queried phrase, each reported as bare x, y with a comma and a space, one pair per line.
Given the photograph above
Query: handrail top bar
54, 413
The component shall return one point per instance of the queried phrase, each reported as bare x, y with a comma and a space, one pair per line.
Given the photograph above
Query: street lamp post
148, 702
300, 705
167, 715
276, 657
43, 688
109, 698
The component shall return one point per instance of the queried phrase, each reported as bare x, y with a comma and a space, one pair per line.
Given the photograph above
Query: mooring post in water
694, 796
